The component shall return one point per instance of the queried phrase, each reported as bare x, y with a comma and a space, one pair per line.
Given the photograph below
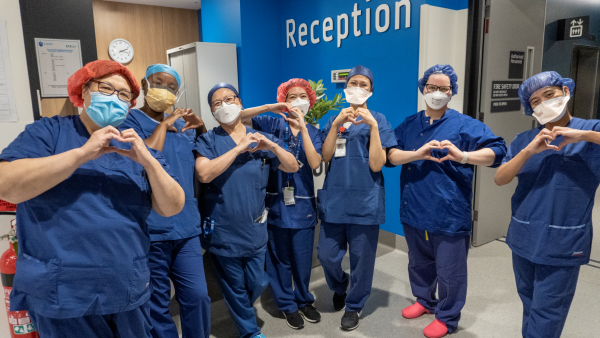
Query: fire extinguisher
19, 323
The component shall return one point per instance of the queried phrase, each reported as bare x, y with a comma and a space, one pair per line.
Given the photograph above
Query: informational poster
505, 106
57, 60
505, 89
573, 28
516, 66
8, 110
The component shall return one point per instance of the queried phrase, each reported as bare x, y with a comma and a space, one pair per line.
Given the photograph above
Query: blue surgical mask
107, 110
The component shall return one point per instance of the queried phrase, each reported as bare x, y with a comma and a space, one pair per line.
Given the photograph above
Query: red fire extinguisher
19, 323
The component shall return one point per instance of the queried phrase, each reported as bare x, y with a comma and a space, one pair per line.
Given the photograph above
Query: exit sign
573, 28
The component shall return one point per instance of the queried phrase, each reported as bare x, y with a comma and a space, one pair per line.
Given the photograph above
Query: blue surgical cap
219, 86
360, 70
160, 68
440, 69
539, 81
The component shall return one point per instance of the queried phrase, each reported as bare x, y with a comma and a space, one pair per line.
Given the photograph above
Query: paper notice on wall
8, 110
57, 61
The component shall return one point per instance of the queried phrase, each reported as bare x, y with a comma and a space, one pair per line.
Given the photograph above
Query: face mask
437, 99
227, 113
551, 110
107, 110
301, 104
357, 95
159, 98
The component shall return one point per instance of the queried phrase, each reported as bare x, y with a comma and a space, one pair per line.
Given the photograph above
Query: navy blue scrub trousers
179, 261
242, 280
130, 324
334, 239
438, 261
546, 292
289, 258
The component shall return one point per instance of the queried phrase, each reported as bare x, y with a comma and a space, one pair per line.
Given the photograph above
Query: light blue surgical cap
440, 69
219, 86
539, 81
361, 70
160, 68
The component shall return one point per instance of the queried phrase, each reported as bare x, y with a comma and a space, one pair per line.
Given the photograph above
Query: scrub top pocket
36, 278
140, 278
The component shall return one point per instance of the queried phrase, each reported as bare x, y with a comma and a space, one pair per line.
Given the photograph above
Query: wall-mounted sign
504, 106
57, 60
573, 28
516, 65
505, 89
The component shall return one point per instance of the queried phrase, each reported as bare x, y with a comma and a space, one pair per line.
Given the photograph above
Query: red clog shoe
436, 329
414, 311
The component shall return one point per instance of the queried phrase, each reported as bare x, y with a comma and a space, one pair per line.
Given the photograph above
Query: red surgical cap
95, 70
285, 87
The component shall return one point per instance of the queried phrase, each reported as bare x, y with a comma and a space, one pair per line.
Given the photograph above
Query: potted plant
322, 105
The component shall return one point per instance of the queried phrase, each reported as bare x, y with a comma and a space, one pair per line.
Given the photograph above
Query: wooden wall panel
150, 29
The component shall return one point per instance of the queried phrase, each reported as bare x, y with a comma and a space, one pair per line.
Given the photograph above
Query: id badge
340, 147
300, 164
288, 196
263, 217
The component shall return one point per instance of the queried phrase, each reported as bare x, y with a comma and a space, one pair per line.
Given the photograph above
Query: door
585, 71
513, 33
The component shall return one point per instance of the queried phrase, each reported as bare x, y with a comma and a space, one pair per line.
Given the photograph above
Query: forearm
168, 197
377, 156
248, 114
24, 179
485, 157
399, 157
592, 136
201, 130
287, 160
314, 159
208, 170
328, 147
508, 171
157, 139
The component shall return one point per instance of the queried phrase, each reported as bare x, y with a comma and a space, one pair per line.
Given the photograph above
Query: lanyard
207, 231
287, 147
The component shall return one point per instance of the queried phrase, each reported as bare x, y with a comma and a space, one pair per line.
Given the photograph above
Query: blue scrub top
436, 197
83, 244
352, 192
551, 220
179, 154
235, 198
303, 214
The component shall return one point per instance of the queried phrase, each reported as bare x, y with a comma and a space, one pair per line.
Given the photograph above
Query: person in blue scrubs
292, 220
351, 204
233, 164
175, 250
84, 191
438, 149
550, 232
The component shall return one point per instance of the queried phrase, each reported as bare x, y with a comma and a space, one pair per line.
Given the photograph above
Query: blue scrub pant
179, 261
289, 258
437, 261
546, 292
242, 280
130, 324
334, 239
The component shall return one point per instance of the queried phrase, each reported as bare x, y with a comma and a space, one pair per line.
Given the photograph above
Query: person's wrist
82, 155
151, 164
587, 135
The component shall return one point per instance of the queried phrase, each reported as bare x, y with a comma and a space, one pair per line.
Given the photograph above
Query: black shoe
339, 301
294, 320
310, 314
350, 320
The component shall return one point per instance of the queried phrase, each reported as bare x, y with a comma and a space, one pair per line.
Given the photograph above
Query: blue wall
265, 61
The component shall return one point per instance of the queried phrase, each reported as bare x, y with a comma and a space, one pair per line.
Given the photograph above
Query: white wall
8, 131
443, 40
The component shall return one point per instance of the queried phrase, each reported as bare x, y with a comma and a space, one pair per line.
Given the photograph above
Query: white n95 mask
437, 99
301, 104
551, 110
357, 95
227, 113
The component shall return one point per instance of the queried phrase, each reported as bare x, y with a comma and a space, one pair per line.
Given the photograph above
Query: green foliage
322, 105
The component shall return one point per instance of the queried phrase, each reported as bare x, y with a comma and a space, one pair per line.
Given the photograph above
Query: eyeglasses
108, 90
433, 88
229, 100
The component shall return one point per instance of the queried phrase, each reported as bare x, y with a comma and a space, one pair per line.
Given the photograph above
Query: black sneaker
310, 314
294, 320
350, 320
339, 301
